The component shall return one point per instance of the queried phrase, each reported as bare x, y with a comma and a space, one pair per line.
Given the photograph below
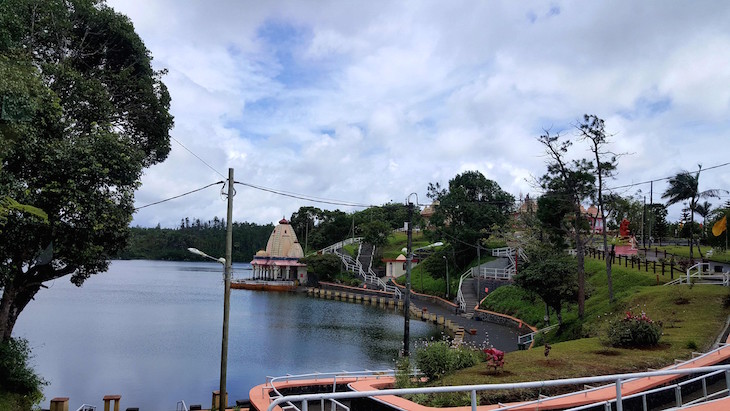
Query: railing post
473, 400
643, 403
305, 406
678, 395
727, 382
619, 402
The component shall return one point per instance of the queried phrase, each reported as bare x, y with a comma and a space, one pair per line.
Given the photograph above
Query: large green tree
468, 211
93, 114
551, 274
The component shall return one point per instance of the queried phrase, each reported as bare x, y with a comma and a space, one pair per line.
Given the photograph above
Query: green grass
683, 250
692, 317
397, 241
351, 249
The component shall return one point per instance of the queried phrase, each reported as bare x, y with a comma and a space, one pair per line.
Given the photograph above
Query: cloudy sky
368, 101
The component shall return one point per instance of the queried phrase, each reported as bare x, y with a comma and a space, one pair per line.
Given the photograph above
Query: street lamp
202, 254
446, 261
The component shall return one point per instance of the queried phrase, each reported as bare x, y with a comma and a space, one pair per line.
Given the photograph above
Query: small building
280, 260
594, 218
397, 267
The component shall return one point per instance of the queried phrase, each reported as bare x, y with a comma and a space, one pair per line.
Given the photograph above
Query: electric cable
198, 157
305, 197
178, 196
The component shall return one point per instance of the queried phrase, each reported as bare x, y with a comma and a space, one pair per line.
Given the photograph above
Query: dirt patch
608, 353
497, 374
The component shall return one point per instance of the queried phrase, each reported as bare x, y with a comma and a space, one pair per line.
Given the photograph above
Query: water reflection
150, 331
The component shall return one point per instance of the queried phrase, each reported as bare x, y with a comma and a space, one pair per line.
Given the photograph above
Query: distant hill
209, 236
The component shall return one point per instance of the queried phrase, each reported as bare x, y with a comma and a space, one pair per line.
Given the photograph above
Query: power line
178, 196
666, 178
196, 156
305, 197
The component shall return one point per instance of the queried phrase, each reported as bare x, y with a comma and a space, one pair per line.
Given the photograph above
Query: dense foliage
437, 358
634, 331
468, 211
16, 375
210, 237
86, 114
325, 267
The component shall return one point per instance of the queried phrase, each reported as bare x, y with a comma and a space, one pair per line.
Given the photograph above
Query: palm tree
704, 210
685, 186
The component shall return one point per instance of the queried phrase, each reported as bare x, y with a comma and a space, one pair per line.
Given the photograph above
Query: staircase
355, 266
470, 297
365, 255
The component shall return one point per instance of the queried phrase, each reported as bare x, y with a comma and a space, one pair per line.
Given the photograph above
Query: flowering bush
436, 358
495, 358
634, 331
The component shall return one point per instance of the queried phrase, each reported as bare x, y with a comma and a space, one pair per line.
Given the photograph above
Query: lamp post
446, 261
226, 290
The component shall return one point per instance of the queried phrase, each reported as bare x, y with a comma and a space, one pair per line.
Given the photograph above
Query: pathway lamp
446, 261
202, 254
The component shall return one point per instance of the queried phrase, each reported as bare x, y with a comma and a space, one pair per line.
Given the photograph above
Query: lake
151, 332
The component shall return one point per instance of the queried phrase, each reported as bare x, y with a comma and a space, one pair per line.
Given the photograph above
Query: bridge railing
617, 380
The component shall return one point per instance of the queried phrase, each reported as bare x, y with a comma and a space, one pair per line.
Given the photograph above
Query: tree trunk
580, 256
14, 300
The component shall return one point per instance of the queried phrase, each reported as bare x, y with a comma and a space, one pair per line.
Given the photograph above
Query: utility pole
651, 209
643, 222
479, 270
227, 291
407, 309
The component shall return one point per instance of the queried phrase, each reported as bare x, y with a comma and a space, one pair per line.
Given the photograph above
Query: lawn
692, 318
718, 255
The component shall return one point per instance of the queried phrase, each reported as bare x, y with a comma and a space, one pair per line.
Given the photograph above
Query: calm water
151, 331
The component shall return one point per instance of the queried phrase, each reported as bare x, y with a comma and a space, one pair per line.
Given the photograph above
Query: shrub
16, 375
634, 331
437, 358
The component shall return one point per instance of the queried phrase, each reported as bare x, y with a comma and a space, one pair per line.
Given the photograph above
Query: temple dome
283, 242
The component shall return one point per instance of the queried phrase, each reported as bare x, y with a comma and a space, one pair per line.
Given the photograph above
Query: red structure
623, 229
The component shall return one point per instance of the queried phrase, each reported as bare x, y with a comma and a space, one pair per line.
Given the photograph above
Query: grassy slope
692, 317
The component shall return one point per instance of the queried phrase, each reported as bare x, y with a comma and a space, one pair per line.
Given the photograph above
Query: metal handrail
317, 375
724, 277
460, 295
369, 276
87, 407
331, 248
529, 337
616, 379
679, 403
181, 406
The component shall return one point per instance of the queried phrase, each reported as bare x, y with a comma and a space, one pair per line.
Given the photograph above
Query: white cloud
370, 101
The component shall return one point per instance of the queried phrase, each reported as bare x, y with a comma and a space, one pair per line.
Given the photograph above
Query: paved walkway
499, 336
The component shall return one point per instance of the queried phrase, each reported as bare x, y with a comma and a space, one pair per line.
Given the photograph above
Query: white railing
181, 406
677, 388
616, 379
369, 276
460, 295
528, 338
87, 407
700, 273
336, 246
497, 273
333, 376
